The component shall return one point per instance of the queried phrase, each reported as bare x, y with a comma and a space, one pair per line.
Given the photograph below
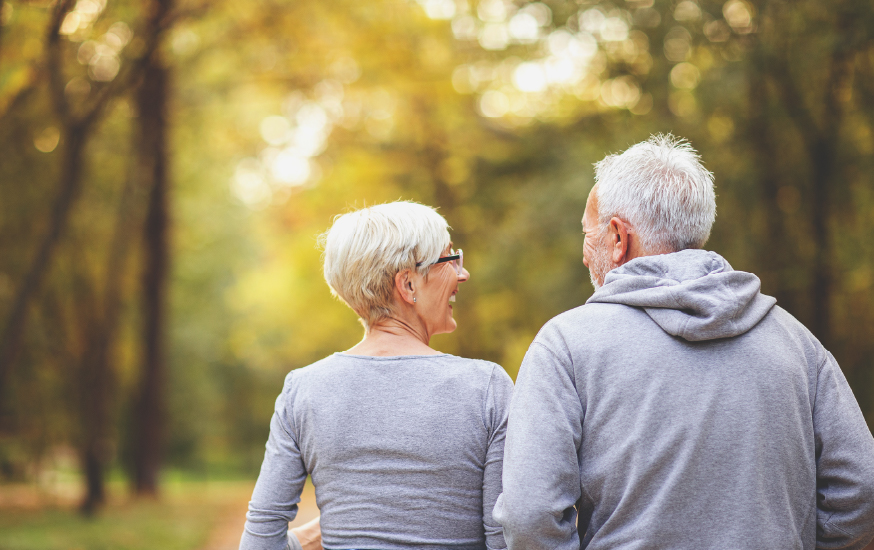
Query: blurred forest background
167, 165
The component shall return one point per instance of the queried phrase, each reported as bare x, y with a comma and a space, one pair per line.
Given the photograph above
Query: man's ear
618, 233
404, 286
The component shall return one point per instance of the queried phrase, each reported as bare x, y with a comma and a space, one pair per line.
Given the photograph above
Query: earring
414, 299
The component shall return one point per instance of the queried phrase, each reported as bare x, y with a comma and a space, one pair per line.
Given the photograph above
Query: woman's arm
497, 404
277, 492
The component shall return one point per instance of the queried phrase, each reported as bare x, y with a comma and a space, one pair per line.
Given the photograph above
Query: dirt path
229, 523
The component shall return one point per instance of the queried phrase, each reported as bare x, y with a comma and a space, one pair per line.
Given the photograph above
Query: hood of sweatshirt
693, 294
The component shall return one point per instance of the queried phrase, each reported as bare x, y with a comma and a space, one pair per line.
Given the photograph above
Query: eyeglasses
455, 256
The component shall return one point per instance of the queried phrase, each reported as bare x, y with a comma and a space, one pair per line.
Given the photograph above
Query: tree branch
53, 60
73, 137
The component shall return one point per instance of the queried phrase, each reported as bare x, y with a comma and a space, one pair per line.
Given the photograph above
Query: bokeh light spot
493, 11
494, 36
290, 169
739, 14
465, 27
540, 11
622, 92
438, 9
717, 31
591, 20
678, 43
685, 76
614, 29
275, 129
687, 10
529, 77
494, 104
524, 27
47, 140
104, 66
249, 185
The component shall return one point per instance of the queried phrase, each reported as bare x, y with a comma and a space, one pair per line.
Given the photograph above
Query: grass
182, 519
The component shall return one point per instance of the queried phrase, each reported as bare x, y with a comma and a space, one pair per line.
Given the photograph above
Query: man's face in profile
596, 251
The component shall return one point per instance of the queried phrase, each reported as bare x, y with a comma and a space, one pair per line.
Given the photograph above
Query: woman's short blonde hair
365, 249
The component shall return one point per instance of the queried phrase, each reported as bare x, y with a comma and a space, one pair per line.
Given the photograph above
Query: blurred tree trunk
149, 410
98, 372
819, 128
774, 252
823, 153
94, 383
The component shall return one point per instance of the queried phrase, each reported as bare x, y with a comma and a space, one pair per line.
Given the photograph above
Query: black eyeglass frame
449, 258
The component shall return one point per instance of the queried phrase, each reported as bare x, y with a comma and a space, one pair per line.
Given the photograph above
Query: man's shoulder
789, 322
589, 317
579, 328
783, 326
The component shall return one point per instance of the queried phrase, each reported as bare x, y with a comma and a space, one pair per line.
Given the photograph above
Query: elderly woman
404, 443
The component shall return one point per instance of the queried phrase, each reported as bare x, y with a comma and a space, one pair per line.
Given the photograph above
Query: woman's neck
393, 337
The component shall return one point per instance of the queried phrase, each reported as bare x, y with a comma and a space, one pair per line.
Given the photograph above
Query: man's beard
600, 265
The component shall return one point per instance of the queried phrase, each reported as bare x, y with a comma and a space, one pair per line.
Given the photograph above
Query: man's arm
844, 464
541, 466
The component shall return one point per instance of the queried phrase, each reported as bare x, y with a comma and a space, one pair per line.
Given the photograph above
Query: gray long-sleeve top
681, 409
403, 452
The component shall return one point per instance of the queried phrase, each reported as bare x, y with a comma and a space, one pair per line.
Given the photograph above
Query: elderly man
679, 408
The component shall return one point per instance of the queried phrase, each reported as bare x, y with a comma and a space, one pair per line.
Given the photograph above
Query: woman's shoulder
477, 364
322, 366
480, 368
341, 366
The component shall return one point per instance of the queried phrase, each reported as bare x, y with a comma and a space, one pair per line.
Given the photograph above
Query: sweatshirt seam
386, 358
822, 363
738, 307
835, 527
818, 372
289, 406
557, 358
486, 400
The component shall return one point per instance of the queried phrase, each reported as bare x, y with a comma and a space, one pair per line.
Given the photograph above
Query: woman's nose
465, 275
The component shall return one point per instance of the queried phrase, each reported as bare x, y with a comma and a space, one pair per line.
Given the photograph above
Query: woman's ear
405, 287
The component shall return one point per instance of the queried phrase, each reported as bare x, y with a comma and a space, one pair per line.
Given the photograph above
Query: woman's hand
310, 535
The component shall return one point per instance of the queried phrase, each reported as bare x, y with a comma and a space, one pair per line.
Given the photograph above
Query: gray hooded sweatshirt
681, 409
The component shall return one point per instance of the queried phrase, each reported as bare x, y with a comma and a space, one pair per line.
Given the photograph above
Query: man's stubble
600, 264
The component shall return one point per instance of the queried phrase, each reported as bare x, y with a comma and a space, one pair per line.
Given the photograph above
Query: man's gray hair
365, 249
660, 187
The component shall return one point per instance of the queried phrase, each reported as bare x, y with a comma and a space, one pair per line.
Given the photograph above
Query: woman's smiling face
437, 293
